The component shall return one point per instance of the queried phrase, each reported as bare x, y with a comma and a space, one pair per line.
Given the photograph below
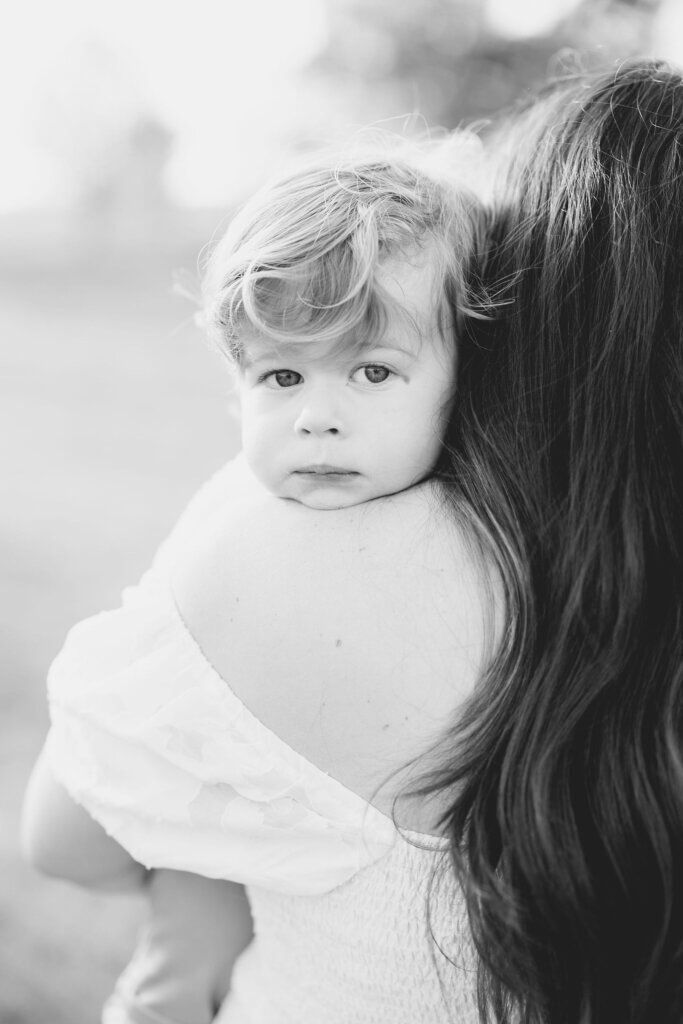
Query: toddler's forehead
256, 349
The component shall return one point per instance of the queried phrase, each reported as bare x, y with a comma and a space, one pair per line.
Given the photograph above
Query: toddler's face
332, 429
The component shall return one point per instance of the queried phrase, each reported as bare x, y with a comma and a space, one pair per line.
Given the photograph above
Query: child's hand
181, 969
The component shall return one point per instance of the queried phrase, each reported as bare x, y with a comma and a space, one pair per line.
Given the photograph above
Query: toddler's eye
282, 378
374, 373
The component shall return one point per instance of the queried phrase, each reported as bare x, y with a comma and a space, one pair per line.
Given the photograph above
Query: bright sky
217, 72
221, 74
528, 18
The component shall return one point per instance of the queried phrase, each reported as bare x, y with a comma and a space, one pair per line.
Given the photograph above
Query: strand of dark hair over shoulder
565, 453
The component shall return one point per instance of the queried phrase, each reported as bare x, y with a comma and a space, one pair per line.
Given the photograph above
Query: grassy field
112, 410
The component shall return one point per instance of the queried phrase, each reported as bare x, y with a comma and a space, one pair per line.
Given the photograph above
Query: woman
568, 445
559, 785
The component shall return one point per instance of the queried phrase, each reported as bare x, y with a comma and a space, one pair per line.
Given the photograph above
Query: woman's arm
59, 838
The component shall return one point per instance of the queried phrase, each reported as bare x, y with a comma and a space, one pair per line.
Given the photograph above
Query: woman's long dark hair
566, 448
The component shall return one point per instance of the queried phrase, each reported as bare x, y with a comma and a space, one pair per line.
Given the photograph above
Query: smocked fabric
389, 946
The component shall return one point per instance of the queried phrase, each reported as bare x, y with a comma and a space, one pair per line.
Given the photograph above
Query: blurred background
131, 131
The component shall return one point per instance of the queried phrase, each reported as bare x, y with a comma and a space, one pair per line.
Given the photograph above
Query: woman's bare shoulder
275, 587
352, 634
260, 539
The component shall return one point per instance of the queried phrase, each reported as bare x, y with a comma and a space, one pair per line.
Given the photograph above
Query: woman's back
226, 772
365, 952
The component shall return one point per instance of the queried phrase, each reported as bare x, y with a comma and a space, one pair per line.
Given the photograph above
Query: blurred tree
131, 183
458, 60
94, 124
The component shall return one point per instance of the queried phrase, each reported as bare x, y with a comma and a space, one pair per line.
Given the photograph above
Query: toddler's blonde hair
299, 260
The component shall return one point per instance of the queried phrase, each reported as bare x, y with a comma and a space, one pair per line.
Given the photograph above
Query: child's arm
180, 972
60, 838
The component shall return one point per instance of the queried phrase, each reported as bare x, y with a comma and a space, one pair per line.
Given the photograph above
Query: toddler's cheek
260, 460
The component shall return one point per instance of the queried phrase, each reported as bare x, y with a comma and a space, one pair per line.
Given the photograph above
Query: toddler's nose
318, 415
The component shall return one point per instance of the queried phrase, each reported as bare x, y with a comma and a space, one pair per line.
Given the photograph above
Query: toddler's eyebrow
249, 359
384, 347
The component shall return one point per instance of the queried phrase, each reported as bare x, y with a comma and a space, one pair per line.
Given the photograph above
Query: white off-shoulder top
355, 922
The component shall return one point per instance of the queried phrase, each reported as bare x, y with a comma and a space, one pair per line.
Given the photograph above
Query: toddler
338, 294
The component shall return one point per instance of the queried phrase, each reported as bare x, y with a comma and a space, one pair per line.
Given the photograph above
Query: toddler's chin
321, 500
331, 505
328, 499
320, 494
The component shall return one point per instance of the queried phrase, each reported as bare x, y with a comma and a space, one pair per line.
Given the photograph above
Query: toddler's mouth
323, 469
